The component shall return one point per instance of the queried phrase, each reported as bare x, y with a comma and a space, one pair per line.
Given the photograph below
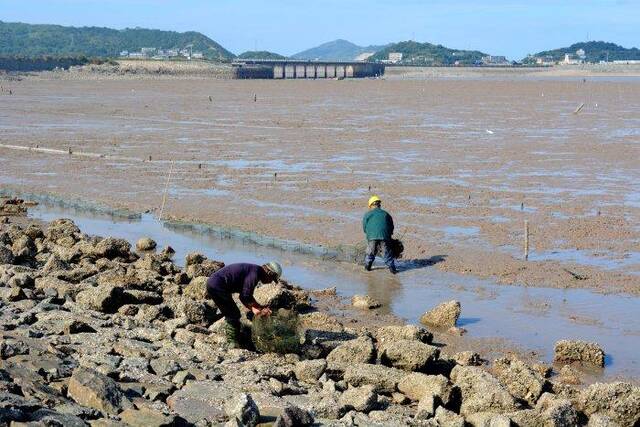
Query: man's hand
260, 311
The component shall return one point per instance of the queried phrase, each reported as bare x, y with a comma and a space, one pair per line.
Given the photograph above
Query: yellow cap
374, 199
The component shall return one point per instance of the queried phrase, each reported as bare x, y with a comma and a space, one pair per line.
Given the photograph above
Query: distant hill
416, 53
260, 54
594, 52
18, 39
337, 50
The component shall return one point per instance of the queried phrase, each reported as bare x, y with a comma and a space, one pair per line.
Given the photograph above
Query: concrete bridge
292, 69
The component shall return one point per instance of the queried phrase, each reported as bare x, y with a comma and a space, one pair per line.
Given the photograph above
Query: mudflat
460, 163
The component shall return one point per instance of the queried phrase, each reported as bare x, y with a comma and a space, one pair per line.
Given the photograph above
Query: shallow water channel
531, 318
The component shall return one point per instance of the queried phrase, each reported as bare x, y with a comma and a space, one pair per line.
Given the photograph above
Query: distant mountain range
18, 39
260, 54
337, 50
594, 51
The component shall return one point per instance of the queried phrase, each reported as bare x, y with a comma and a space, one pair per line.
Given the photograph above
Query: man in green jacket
378, 226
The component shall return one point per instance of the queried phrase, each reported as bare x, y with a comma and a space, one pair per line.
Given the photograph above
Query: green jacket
377, 224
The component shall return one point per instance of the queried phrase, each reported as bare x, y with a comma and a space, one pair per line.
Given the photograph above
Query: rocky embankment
96, 333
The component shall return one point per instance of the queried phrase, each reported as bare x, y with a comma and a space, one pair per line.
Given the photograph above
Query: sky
513, 28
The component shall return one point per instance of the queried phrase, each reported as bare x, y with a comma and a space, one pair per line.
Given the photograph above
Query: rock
568, 351
417, 385
244, 409
145, 417
196, 289
467, 358
384, 379
522, 382
426, 407
111, 248
361, 399
60, 229
165, 366
310, 371
146, 244
409, 355
274, 295
6, 256
600, 420
54, 265
481, 392
359, 350
444, 315
387, 334
569, 375
619, 401
76, 326
90, 388
557, 412
488, 419
205, 268
444, 417
194, 258
22, 280
364, 302
293, 416
181, 378
196, 312
12, 294
24, 248
104, 298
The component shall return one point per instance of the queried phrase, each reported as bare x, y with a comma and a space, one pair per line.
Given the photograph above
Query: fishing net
278, 333
397, 248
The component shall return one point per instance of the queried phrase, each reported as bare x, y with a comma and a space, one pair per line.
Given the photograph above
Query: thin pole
526, 240
166, 189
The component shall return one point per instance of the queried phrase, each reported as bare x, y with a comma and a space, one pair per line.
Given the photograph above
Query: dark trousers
374, 246
226, 305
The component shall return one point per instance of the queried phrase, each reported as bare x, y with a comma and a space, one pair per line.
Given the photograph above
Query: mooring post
526, 240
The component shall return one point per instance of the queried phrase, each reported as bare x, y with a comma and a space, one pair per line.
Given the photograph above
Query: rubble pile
93, 333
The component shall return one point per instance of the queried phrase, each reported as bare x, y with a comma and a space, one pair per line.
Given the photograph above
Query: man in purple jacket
241, 279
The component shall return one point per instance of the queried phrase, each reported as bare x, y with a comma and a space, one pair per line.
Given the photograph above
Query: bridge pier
290, 69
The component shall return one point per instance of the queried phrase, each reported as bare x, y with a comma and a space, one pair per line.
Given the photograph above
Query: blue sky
508, 27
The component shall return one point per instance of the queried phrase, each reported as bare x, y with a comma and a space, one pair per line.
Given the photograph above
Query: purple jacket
239, 278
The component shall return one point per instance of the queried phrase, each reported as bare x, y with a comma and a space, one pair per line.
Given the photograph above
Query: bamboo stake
166, 189
526, 240
580, 107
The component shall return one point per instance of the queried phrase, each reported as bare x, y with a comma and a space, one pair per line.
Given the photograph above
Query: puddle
588, 258
489, 310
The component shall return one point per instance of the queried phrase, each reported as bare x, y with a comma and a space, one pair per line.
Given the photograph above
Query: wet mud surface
460, 163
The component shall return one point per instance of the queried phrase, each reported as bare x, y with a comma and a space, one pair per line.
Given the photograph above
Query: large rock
359, 350
205, 268
146, 244
145, 417
90, 388
293, 416
361, 399
23, 248
196, 289
444, 417
568, 351
104, 298
619, 401
274, 295
409, 355
389, 334
365, 302
60, 229
244, 409
6, 255
111, 248
310, 371
384, 379
557, 412
481, 392
488, 419
417, 385
522, 382
445, 315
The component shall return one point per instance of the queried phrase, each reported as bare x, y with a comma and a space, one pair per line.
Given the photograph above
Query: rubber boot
392, 269
367, 266
233, 335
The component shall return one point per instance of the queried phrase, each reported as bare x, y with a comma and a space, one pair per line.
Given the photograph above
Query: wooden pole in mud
166, 189
526, 240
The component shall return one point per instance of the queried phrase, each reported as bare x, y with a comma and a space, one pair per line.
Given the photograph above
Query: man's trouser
227, 306
373, 247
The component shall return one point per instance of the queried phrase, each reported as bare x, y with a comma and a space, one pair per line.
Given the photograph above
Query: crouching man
241, 279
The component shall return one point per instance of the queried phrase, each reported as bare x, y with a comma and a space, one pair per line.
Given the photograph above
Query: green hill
18, 39
415, 53
337, 50
260, 54
594, 52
